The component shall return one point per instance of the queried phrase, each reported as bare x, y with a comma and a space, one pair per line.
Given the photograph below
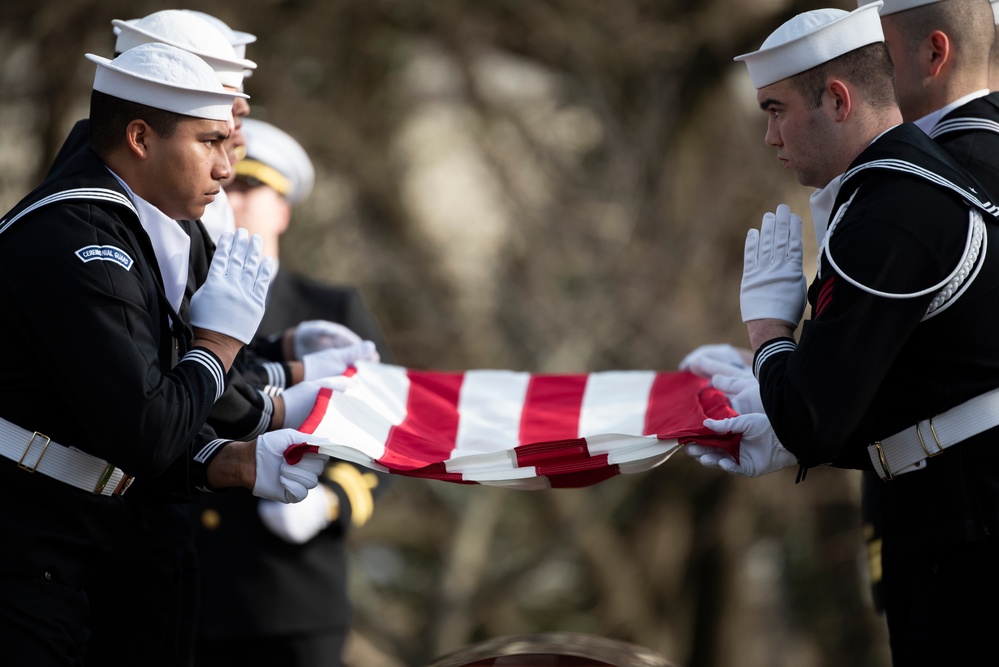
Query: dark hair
109, 116
868, 68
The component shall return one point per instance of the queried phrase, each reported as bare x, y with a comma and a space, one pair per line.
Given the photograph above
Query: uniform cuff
207, 359
771, 349
204, 456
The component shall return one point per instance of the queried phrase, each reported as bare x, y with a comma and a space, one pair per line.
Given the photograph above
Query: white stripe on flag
362, 416
615, 402
387, 389
489, 409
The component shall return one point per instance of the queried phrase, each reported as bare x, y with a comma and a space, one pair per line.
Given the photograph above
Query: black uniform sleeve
243, 412
186, 477
268, 373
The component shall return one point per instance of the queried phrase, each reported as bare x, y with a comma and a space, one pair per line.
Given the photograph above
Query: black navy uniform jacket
242, 412
253, 581
96, 360
867, 366
970, 134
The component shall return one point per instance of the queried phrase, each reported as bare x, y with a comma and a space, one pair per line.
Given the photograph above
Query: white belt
35, 452
908, 450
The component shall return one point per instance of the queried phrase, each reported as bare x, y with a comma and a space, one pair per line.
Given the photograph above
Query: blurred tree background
544, 185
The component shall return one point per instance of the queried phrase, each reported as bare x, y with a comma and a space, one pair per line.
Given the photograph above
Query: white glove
760, 453
231, 301
335, 360
315, 335
741, 387
773, 280
299, 399
282, 481
707, 360
298, 523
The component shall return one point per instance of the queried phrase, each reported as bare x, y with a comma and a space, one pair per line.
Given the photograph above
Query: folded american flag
515, 429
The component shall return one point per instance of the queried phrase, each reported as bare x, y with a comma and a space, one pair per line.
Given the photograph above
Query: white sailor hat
895, 6
189, 32
810, 39
276, 159
165, 77
237, 39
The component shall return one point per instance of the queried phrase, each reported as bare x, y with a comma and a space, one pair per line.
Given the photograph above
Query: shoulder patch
105, 253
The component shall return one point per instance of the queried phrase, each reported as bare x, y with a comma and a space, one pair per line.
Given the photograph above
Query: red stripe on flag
673, 403
566, 463
551, 408
430, 427
540, 453
573, 467
678, 405
315, 417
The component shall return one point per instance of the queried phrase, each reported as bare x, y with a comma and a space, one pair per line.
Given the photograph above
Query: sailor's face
189, 167
798, 130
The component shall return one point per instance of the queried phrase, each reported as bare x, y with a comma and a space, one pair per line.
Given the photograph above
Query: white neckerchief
930, 120
171, 245
821, 203
218, 217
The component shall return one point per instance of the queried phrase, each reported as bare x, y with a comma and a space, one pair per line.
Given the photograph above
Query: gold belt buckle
123, 484
884, 461
103, 480
21, 464
120, 488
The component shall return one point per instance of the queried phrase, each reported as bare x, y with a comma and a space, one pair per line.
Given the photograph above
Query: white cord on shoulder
953, 291
970, 248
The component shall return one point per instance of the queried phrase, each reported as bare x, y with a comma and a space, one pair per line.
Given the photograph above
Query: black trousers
144, 597
51, 538
941, 608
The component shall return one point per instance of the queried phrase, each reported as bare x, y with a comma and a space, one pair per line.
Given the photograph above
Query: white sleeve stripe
770, 350
208, 449
213, 366
275, 374
265, 417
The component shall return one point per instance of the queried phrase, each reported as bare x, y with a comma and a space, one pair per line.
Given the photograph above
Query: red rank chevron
515, 429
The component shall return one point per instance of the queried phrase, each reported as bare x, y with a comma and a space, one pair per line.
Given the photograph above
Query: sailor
941, 50
92, 395
896, 371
